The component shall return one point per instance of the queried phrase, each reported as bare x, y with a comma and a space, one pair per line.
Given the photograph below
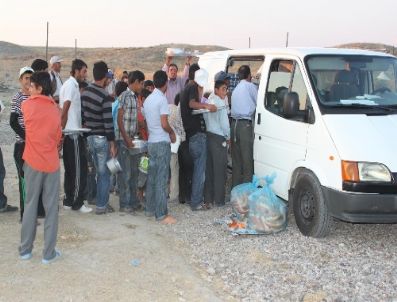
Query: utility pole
75, 48
286, 42
46, 45
249, 42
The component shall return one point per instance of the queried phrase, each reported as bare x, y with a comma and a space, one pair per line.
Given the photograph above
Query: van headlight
365, 172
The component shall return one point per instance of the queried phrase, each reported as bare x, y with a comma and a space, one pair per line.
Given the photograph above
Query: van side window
286, 83
254, 62
279, 82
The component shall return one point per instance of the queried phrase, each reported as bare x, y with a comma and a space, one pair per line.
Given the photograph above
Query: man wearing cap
18, 125
242, 136
175, 83
56, 81
194, 125
74, 158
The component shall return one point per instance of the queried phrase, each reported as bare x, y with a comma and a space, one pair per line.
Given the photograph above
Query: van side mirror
310, 115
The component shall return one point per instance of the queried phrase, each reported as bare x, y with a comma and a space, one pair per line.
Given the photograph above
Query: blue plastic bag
240, 193
267, 213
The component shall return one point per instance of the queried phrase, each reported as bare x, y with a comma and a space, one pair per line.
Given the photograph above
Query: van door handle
259, 119
260, 137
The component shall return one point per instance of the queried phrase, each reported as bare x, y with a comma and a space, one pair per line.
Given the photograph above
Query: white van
326, 123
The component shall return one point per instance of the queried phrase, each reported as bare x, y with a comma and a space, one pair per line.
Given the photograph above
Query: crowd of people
188, 135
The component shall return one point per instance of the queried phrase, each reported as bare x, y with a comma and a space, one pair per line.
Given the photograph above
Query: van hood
359, 137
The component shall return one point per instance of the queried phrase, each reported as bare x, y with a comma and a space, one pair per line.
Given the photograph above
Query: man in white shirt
242, 137
56, 81
74, 158
155, 109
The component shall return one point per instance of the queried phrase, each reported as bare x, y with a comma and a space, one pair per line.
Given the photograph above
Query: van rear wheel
310, 208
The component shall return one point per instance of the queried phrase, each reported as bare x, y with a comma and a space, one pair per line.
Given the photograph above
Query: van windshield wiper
362, 106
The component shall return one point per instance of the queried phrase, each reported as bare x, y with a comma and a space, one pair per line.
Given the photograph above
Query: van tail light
350, 171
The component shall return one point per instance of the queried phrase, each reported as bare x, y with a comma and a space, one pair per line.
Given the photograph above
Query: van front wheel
310, 208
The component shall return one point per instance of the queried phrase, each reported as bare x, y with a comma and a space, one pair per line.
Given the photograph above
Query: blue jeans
128, 177
157, 180
99, 149
198, 152
3, 198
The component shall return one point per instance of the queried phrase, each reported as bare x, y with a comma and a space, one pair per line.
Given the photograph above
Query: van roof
296, 51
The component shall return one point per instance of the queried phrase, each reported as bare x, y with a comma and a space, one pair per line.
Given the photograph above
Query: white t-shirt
154, 106
70, 92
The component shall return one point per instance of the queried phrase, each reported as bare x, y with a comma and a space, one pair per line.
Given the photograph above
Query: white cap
55, 59
24, 70
201, 77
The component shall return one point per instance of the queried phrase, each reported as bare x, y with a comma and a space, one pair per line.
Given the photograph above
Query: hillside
371, 46
147, 59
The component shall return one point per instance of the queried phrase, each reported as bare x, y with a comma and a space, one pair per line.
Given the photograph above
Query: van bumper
361, 207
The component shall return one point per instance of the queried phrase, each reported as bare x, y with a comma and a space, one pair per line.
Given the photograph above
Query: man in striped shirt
97, 116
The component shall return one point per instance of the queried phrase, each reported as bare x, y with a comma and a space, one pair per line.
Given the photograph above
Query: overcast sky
131, 23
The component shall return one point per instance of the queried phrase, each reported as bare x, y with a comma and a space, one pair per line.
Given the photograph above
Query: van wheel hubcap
307, 205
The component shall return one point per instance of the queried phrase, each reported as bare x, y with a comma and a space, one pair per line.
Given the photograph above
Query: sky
130, 23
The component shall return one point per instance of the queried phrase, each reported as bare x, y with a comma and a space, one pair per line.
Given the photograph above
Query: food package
239, 196
267, 213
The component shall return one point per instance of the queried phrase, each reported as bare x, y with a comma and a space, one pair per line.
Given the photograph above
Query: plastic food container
175, 52
113, 165
140, 146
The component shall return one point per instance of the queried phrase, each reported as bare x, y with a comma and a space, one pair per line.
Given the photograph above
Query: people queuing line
102, 120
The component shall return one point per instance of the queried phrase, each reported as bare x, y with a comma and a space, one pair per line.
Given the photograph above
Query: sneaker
109, 208
138, 208
100, 211
8, 208
26, 256
57, 255
125, 210
67, 208
201, 207
85, 209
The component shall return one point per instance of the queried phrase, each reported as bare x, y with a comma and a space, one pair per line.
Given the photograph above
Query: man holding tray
74, 155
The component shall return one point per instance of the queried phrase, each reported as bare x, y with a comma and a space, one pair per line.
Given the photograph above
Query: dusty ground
96, 262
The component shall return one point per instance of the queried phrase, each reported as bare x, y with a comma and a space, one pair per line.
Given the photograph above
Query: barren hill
147, 59
371, 46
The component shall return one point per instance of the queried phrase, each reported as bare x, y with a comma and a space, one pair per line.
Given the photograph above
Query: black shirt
192, 123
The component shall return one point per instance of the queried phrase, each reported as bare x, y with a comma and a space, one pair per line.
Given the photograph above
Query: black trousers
75, 163
18, 153
215, 172
242, 142
185, 172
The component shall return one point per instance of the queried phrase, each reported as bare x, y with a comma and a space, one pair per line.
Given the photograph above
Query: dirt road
96, 264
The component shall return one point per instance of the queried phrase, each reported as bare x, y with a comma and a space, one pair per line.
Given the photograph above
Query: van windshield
354, 81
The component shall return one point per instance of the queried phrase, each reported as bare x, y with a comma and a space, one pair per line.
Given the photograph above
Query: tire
309, 206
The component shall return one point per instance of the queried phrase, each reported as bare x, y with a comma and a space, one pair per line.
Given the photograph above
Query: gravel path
354, 263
